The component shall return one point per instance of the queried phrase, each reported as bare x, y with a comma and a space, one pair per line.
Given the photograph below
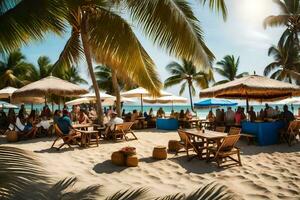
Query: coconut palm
22, 21
28, 175
187, 74
229, 69
286, 63
14, 69
72, 75
289, 17
99, 32
43, 69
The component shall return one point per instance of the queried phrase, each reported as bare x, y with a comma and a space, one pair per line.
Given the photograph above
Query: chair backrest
126, 126
234, 131
294, 126
183, 136
220, 129
229, 142
57, 131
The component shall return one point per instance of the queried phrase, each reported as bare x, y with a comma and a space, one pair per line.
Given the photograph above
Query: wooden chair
220, 129
292, 132
122, 130
187, 144
67, 139
234, 131
226, 150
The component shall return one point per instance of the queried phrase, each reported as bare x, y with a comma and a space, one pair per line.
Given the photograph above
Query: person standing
229, 116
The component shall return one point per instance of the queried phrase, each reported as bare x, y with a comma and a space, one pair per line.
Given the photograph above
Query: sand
271, 172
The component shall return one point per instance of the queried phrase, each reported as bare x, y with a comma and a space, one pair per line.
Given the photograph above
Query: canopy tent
252, 87
141, 93
4, 104
166, 100
6, 93
213, 103
49, 86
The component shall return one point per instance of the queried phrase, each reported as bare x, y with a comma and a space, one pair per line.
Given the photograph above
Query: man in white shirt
229, 116
114, 120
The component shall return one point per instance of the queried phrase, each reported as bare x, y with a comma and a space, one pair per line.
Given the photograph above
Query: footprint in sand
269, 177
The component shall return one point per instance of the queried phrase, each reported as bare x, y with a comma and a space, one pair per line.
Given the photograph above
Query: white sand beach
271, 172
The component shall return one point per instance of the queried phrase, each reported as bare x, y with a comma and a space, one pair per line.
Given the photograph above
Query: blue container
267, 133
167, 124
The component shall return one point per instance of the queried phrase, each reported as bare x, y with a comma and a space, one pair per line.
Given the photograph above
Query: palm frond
108, 32
270, 67
173, 80
182, 88
129, 194
273, 20
172, 25
218, 5
242, 75
221, 82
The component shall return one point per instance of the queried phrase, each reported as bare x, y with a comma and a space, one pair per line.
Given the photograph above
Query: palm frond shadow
22, 177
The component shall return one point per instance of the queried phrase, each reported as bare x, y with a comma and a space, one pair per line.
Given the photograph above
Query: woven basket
118, 158
12, 136
132, 161
159, 153
173, 145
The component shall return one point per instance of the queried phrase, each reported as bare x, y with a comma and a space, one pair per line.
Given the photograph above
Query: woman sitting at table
188, 114
83, 118
211, 117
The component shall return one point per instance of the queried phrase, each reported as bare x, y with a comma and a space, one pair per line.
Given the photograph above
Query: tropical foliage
72, 75
289, 17
188, 75
22, 177
229, 69
286, 62
43, 69
14, 70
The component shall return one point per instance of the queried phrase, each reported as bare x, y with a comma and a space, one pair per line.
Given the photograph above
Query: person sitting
211, 117
3, 121
269, 111
46, 112
123, 113
44, 125
238, 116
114, 119
219, 117
83, 118
24, 130
188, 114
134, 118
229, 116
11, 116
65, 125
172, 115
252, 114
160, 113
92, 114
22, 111
276, 112
151, 113
56, 116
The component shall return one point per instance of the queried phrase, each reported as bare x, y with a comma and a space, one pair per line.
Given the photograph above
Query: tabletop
207, 134
82, 125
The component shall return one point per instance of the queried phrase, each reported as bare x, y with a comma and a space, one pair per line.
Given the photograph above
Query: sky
241, 35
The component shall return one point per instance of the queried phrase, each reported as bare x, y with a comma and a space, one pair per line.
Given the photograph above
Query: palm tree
286, 64
108, 81
289, 17
14, 69
43, 69
188, 74
25, 20
99, 32
28, 175
229, 68
72, 75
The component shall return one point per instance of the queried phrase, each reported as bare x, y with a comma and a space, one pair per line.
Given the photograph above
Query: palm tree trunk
116, 91
190, 93
87, 53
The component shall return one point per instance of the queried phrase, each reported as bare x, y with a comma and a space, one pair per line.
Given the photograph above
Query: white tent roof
102, 95
166, 99
7, 92
293, 100
138, 92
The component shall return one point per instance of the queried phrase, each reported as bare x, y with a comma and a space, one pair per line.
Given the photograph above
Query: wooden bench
250, 138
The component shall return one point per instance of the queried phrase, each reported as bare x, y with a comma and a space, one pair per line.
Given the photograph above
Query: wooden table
195, 122
82, 126
86, 137
207, 136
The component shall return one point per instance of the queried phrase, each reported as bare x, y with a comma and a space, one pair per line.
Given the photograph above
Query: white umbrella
140, 93
166, 99
7, 92
4, 104
80, 101
102, 95
293, 100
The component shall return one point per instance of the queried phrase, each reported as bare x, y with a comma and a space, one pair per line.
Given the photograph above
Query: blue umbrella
212, 103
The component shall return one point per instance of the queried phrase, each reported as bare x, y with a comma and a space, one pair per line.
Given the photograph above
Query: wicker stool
173, 145
159, 153
118, 158
12, 136
132, 161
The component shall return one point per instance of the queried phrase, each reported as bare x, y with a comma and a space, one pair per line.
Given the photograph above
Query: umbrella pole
247, 104
172, 106
142, 103
31, 106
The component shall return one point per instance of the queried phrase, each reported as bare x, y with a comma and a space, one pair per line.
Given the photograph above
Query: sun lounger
226, 150
67, 139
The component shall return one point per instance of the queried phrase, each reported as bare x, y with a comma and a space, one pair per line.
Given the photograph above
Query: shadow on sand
107, 167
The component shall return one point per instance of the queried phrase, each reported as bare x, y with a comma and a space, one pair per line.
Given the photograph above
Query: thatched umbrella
7, 92
49, 86
252, 87
166, 100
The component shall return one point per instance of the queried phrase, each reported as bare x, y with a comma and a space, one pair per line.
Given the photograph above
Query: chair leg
239, 158
133, 135
54, 142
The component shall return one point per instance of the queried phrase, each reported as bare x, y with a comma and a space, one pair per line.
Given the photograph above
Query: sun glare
254, 11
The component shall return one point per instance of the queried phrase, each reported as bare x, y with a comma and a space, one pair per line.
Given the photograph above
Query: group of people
231, 117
